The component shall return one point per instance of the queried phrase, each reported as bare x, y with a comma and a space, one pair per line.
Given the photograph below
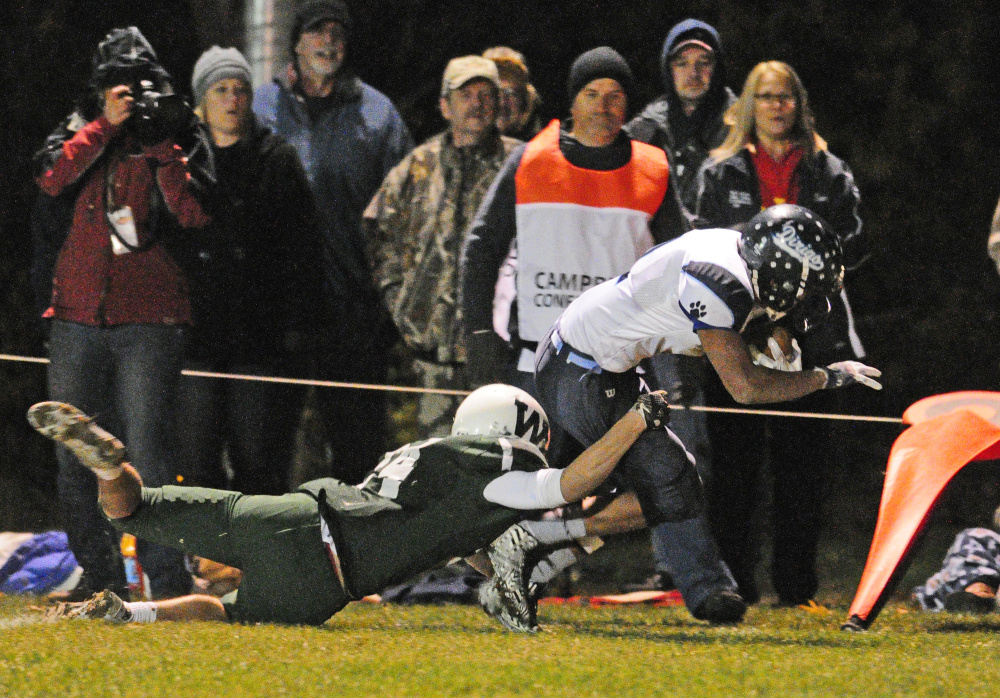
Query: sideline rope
444, 391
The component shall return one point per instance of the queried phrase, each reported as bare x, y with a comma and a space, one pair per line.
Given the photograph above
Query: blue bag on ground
38, 565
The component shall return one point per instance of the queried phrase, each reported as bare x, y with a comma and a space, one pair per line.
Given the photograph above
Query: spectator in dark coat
255, 291
772, 156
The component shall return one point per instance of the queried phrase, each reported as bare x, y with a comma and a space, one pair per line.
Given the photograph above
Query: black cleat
723, 607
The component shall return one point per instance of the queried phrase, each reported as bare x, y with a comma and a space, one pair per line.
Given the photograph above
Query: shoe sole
104, 605
65, 424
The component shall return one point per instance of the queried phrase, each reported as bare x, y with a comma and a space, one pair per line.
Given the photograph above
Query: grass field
370, 649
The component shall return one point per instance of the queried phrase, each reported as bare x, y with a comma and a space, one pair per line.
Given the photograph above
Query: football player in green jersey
306, 554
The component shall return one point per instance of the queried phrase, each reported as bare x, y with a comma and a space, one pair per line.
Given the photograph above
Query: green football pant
274, 540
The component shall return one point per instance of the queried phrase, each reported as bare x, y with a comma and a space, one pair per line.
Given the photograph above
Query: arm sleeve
704, 207
175, 184
399, 143
487, 244
296, 236
641, 129
671, 219
845, 200
386, 222
523, 490
69, 160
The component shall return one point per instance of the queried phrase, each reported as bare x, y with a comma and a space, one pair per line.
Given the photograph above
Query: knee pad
676, 500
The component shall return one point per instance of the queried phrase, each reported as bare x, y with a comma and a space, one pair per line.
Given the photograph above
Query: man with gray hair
348, 135
416, 223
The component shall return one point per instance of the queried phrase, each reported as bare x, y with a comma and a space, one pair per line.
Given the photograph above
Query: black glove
653, 408
486, 354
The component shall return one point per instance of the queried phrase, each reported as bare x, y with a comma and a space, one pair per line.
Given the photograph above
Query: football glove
849, 372
780, 362
653, 408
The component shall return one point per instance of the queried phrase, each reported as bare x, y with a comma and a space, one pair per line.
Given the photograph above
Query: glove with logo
848, 372
653, 408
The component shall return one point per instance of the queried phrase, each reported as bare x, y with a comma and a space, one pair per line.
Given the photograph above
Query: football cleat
723, 607
65, 424
104, 605
506, 596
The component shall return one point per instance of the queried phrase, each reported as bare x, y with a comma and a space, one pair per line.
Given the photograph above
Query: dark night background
905, 92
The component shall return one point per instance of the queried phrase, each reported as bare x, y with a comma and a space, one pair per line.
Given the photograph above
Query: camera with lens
157, 115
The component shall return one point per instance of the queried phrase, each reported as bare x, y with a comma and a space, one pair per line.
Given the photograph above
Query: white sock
142, 611
108, 473
555, 530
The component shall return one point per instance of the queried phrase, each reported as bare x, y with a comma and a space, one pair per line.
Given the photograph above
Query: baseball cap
460, 70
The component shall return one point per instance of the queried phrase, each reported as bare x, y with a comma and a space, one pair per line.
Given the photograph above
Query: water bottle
138, 582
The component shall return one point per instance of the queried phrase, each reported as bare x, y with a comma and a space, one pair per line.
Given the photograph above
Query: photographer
119, 300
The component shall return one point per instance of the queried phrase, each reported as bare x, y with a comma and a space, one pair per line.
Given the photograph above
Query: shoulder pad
736, 300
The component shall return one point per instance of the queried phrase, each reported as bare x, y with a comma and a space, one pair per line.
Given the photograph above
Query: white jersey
697, 281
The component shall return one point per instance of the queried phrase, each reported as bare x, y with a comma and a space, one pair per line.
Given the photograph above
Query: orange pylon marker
949, 432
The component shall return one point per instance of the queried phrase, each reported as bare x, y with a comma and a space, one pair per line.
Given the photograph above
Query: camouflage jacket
415, 229
973, 557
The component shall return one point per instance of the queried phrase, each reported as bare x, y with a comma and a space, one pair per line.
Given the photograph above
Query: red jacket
91, 284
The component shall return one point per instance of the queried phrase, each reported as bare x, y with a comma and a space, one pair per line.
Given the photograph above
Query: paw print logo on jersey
697, 310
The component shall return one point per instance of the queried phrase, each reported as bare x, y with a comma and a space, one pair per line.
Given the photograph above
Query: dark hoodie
686, 139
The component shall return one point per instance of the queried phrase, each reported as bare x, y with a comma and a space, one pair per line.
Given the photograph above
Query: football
758, 332
784, 339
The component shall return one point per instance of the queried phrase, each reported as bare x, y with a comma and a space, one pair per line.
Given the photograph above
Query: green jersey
437, 486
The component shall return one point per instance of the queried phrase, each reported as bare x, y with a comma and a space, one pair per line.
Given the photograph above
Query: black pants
797, 452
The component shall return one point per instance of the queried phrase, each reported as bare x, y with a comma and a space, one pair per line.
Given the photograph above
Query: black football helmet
792, 254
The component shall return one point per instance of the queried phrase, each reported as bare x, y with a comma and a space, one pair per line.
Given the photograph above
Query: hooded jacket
105, 167
686, 139
347, 151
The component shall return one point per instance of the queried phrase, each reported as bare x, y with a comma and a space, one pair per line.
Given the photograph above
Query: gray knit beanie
218, 64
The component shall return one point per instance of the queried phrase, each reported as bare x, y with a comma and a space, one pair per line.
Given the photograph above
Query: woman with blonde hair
255, 285
773, 156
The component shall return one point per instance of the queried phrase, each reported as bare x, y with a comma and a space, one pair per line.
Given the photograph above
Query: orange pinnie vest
578, 227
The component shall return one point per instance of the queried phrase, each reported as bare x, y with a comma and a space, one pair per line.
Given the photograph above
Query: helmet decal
502, 410
788, 239
529, 420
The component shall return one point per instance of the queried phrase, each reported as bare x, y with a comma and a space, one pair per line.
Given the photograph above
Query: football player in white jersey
691, 296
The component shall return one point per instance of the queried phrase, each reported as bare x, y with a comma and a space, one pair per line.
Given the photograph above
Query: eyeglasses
781, 100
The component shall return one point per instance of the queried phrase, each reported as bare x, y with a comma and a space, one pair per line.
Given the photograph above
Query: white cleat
65, 424
104, 605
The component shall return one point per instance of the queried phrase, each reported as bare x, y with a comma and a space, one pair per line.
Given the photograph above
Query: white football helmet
502, 410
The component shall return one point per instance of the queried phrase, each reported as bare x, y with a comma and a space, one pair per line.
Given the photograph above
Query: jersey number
395, 467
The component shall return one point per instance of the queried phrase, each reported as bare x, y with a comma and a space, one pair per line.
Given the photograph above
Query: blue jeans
255, 422
126, 377
587, 403
683, 377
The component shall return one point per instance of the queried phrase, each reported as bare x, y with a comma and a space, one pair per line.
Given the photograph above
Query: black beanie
597, 63
314, 12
